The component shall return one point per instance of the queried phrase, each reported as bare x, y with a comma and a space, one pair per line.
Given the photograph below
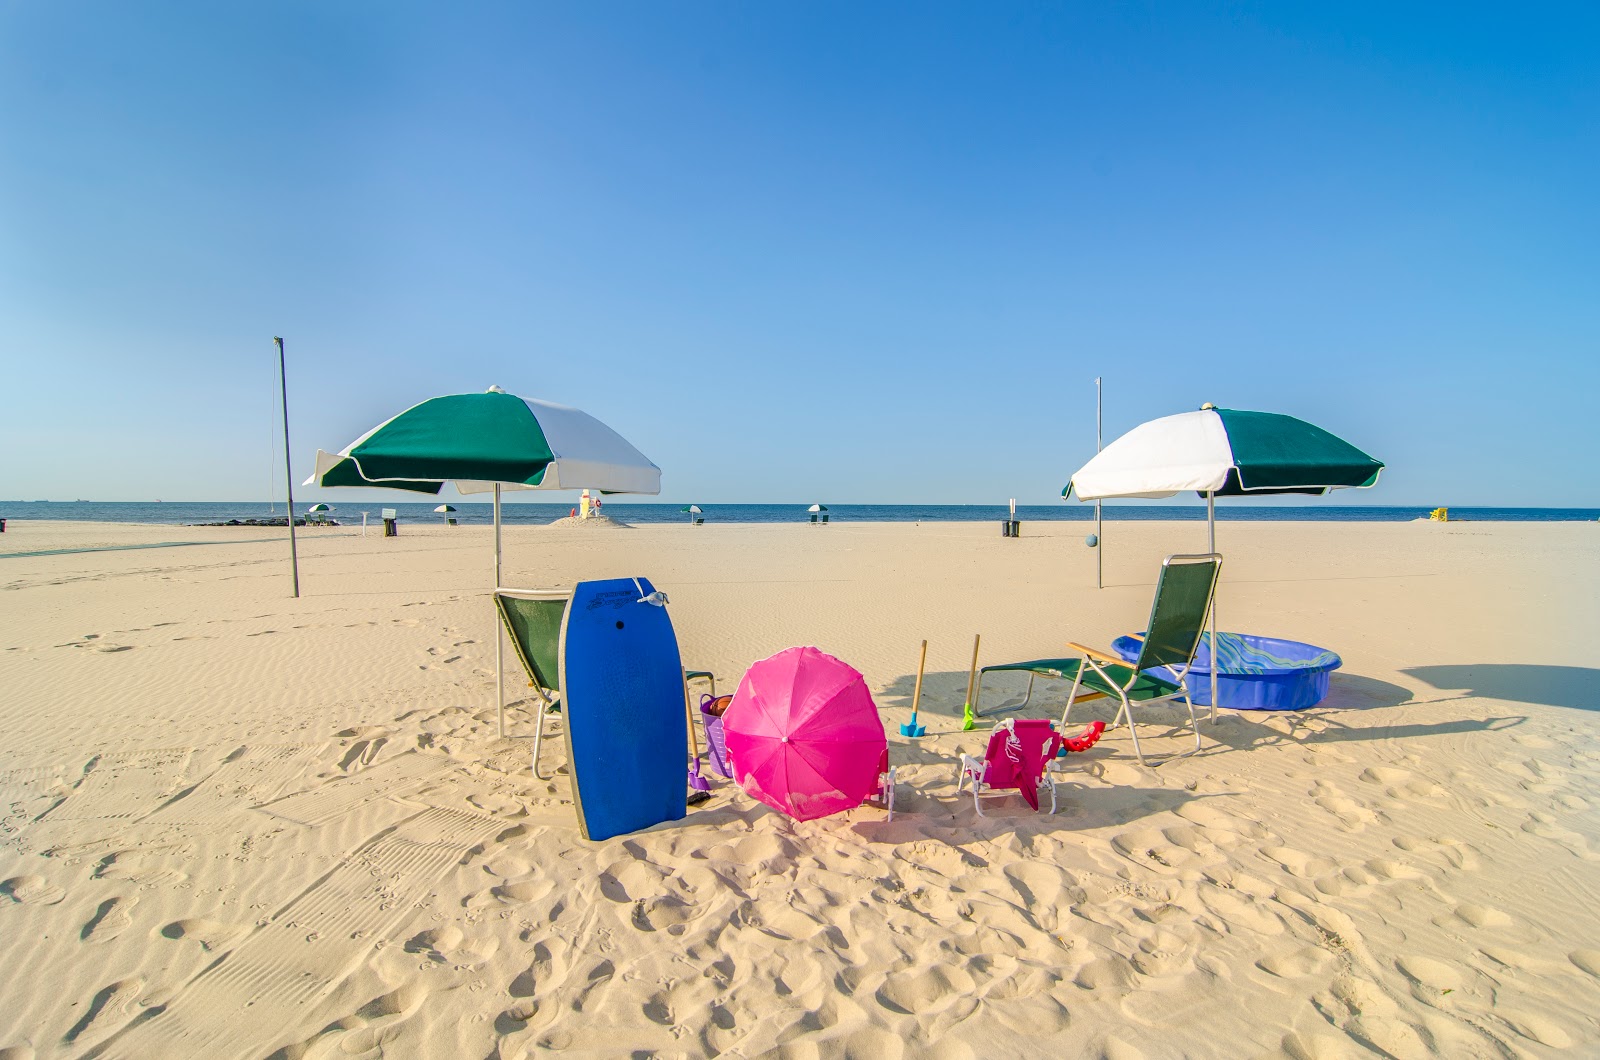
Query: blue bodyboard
622, 693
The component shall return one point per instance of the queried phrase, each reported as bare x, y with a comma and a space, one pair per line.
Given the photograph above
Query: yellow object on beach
1440, 515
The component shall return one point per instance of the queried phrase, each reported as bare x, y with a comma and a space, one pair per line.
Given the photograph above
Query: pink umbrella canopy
804, 735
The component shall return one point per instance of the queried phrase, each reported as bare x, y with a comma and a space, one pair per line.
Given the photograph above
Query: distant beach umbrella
445, 510
691, 510
321, 508
803, 734
1223, 453
485, 443
817, 508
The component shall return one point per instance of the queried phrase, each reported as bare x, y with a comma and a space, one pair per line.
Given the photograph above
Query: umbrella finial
1208, 406
495, 389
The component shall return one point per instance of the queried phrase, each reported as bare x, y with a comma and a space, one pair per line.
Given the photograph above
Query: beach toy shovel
911, 728
969, 719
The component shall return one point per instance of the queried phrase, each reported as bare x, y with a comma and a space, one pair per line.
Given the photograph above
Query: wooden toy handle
972, 674
916, 695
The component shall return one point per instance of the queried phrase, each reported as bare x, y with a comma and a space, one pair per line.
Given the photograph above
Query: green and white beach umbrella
1223, 453
486, 443
481, 442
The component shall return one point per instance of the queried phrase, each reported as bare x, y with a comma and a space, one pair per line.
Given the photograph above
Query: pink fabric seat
1015, 760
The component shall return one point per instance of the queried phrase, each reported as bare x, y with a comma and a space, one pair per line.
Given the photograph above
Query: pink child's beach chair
1019, 750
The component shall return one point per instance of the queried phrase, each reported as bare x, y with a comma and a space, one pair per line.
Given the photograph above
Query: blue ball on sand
1092, 540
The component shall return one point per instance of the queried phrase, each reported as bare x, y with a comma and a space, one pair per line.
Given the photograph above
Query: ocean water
184, 512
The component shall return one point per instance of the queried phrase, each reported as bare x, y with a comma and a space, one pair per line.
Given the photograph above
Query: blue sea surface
189, 512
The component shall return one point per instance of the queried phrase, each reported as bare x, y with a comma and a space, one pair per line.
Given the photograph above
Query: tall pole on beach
288, 472
1099, 537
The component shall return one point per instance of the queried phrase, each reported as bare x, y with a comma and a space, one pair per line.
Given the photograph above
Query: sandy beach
240, 824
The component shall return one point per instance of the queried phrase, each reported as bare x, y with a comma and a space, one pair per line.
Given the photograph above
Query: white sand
357, 867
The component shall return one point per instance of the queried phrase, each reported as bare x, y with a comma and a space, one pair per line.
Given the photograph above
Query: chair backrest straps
1178, 614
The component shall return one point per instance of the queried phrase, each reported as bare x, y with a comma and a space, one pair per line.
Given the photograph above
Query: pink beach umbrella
804, 735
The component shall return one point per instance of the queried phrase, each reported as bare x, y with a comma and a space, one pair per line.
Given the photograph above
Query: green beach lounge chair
533, 619
1158, 675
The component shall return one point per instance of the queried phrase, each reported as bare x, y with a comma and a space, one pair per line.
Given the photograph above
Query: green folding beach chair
1158, 675
533, 619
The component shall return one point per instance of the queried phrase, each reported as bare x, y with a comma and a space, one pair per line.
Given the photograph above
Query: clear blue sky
818, 251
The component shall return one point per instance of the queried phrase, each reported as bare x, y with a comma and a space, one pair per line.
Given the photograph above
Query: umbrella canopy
489, 442
479, 441
817, 508
319, 507
445, 508
693, 509
804, 735
1226, 453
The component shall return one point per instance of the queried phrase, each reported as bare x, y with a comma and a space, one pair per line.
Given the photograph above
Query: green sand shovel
969, 719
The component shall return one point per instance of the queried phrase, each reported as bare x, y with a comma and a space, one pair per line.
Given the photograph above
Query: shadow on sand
943, 693
1577, 687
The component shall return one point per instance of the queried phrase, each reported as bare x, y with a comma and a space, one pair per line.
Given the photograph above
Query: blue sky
801, 251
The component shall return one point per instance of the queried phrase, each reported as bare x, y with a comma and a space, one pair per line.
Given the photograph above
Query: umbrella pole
1099, 533
1211, 546
499, 635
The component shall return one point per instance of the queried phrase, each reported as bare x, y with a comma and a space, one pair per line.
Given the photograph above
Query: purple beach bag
711, 708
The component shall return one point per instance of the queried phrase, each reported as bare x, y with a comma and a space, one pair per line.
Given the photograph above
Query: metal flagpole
1099, 534
283, 383
499, 634
1211, 546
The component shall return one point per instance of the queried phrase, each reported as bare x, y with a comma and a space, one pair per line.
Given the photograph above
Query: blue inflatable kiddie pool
1257, 673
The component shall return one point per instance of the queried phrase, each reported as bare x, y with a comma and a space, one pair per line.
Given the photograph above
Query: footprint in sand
1587, 960
1538, 1029
1351, 815
1545, 827
1299, 863
925, 991
1210, 817
31, 890
1533, 775
1109, 973
1482, 916
212, 935
1296, 963
1239, 914
140, 867
1460, 855
108, 921
1429, 973
107, 1008
1401, 783
1173, 847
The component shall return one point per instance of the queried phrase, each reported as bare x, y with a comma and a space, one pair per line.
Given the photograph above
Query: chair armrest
1091, 653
